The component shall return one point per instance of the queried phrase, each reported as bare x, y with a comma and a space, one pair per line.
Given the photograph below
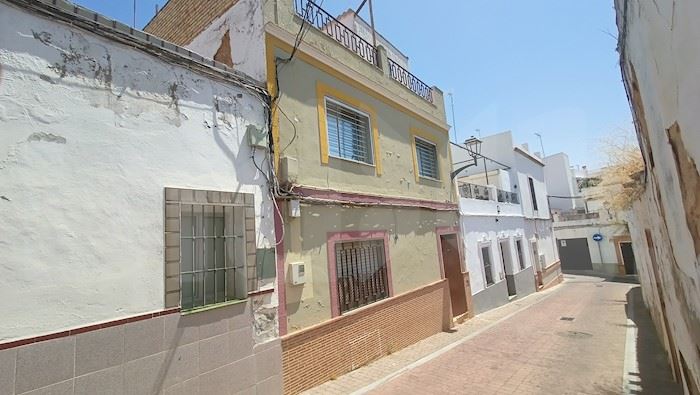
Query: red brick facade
180, 21
325, 351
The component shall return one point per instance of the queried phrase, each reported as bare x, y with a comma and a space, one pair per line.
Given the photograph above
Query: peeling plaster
92, 131
46, 137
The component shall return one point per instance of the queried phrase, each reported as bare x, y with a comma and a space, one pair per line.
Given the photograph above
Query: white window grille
349, 133
361, 273
426, 156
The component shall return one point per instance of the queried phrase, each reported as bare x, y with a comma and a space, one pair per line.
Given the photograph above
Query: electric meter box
298, 270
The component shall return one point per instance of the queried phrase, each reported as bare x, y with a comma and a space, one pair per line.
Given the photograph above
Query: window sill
262, 291
431, 179
352, 161
212, 307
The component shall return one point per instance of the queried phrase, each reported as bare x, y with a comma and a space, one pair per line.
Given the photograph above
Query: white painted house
507, 238
137, 236
590, 235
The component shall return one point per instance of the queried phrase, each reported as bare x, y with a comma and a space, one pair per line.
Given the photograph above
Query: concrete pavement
572, 339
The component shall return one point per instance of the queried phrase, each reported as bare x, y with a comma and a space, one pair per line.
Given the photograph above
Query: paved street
572, 339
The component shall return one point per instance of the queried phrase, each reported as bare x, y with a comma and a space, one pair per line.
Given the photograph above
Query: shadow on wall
654, 376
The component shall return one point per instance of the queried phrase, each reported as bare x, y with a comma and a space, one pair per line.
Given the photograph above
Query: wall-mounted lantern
473, 146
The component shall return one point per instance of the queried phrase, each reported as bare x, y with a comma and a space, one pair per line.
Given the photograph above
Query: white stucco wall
541, 231
526, 167
479, 229
244, 22
660, 43
90, 134
560, 181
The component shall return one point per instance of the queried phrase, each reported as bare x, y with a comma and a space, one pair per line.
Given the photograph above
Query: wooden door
453, 272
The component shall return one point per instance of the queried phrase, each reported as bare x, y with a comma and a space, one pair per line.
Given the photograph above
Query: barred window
361, 273
211, 254
486, 262
521, 258
349, 133
212, 238
426, 156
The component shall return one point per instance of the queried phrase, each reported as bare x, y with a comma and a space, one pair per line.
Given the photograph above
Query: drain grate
566, 318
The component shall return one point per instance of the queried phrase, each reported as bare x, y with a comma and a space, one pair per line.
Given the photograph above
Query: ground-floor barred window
486, 262
361, 273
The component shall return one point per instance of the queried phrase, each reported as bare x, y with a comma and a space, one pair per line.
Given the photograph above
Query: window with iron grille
361, 273
349, 133
486, 262
212, 245
426, 156
211, 253
533, 195
519, 248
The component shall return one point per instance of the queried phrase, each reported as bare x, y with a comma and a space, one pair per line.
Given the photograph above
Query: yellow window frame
423, 135
322, 92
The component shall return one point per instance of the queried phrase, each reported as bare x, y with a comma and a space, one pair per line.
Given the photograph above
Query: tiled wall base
491, 297
552, 275
211, 352
320, 353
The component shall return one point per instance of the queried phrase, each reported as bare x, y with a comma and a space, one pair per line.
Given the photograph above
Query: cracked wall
659, 46
91, 131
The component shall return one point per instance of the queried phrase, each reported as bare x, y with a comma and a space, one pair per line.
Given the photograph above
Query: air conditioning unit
298, 270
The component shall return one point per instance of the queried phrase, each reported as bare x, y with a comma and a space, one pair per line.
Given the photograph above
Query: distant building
590, 234
505, 222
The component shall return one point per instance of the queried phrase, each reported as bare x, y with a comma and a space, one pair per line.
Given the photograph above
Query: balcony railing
481, 192
507, 197
410, 81
578, 216
327, 23
473, 191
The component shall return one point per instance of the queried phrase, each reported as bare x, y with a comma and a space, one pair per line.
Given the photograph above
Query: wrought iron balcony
316, 16
410, 81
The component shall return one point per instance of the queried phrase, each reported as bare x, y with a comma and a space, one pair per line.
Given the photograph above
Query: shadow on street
654, 375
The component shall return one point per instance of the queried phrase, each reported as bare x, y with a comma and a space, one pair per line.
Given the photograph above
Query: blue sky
546, 66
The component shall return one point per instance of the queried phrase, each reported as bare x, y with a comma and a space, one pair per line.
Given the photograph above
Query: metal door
574, 254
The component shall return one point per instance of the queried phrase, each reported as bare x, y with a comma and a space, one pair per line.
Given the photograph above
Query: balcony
319, 18
481, 192
473, 191
507, 197
577, 216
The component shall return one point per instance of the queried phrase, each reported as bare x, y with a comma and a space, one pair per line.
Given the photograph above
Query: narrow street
576, 339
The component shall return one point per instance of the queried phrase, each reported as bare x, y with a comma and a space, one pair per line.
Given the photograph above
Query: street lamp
473, 146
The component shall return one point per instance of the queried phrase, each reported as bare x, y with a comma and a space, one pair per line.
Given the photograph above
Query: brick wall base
328, 350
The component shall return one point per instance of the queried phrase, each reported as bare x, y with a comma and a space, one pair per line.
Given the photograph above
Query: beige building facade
366, 214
